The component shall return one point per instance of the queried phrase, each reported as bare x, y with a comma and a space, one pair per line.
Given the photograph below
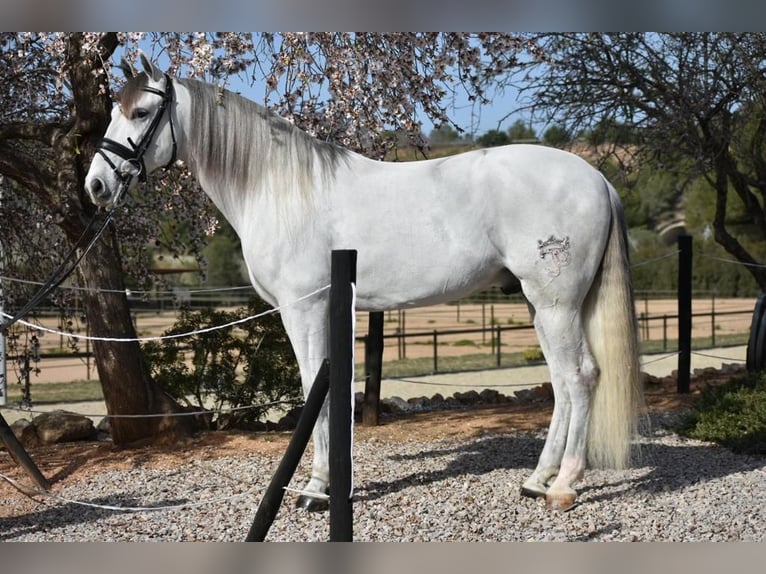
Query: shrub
248, 364
533, 354
732, 415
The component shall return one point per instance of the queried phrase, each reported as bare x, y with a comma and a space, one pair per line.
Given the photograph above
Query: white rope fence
35, 492
229, 410
161, 338
127, 291
660, 258
167, 337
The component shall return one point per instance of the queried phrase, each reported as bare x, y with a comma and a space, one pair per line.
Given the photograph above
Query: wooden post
373, 360
272, 498
21, 456
684, 312
342, 275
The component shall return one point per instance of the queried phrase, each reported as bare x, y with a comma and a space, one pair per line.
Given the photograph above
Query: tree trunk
128, 386
127, 383
724, 170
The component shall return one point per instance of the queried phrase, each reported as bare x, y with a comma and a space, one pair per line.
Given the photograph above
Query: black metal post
343, 274
374, 369
684, 312
499, 345
272, 498
436, 351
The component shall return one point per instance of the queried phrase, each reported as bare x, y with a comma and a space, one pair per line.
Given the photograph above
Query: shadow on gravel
479, 457
668, 467
672, 468
67, 514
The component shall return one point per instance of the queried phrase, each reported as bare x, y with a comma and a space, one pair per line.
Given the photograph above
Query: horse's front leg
306, 325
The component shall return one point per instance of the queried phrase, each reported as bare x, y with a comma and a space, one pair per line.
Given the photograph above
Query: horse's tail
612, 333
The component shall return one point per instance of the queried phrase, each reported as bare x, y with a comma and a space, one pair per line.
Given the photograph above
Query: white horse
426, 232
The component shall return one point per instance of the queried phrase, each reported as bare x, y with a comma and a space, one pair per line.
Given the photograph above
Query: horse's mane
243, 145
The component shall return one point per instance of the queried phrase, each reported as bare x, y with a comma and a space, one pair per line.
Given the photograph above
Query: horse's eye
139, 114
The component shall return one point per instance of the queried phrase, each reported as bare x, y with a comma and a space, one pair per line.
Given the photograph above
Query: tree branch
43, 133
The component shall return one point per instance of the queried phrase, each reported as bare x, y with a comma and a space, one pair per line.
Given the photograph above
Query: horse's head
140, 137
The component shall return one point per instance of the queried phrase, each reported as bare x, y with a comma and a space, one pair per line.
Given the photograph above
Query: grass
47, 393
425, 365
732, 415
656, 346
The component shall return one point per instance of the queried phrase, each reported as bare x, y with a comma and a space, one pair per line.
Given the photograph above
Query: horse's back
434, 230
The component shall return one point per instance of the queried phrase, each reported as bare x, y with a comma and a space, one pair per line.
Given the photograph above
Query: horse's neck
265, 167
225, 198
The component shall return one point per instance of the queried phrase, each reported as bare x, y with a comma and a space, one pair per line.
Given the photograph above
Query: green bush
533, 354
249, 364
732, 415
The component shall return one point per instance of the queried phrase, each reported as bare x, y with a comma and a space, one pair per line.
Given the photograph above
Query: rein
134, 157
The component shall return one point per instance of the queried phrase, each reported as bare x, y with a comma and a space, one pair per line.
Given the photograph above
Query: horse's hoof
311, 504
533, 488
560, 501
531, 492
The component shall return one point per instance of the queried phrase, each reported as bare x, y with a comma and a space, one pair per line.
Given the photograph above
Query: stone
63, 426
420, 403
290, 420
104, 428
467, 398
544, 392
647, 379
525, 395
25, 433
438, 398
490, 396
395, 405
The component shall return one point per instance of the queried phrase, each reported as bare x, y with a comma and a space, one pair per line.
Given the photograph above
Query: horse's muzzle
99, 193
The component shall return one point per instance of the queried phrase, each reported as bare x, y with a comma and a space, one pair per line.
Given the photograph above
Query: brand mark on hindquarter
555, 254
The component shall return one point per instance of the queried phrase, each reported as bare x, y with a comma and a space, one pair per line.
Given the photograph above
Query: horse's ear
127, 69
151, 70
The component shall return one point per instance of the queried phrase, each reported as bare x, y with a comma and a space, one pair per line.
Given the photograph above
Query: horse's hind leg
553, 450
574, 374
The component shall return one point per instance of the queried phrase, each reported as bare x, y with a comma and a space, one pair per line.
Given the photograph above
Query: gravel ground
447, 490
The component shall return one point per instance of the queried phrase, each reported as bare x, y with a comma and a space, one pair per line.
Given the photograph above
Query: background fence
468, 335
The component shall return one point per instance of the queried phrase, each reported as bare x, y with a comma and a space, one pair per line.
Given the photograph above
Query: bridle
134, 155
